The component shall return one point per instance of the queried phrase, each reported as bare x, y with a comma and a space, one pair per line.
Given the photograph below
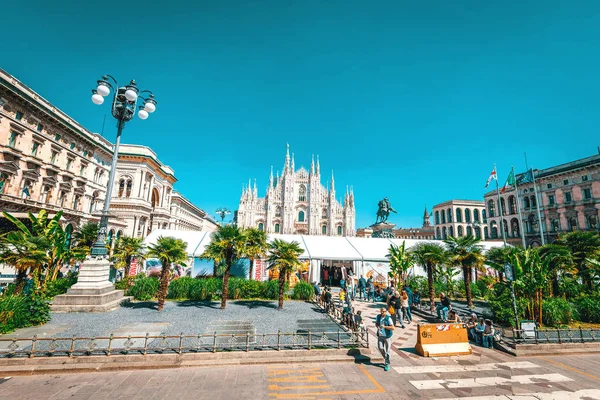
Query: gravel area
186, 317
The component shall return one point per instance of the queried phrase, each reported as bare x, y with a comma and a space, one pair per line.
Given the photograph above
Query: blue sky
414, 100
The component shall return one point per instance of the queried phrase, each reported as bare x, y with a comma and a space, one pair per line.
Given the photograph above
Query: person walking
396, 303
362, 288
385, 330
488, 335
409, 293
370, 289
404, 302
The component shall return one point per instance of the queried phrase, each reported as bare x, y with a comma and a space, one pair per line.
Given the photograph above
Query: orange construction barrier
446, 339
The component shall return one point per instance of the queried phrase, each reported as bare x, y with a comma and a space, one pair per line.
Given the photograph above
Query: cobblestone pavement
489, 375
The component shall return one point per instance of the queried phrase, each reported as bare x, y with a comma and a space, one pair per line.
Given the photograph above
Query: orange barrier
446, 339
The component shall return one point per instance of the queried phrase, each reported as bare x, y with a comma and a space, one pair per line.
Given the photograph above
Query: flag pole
500, 209
522, 232
537, 207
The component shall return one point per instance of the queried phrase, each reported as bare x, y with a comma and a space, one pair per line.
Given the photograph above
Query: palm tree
256, 246
400, 262
228, 245
560, 265
429, 255
582, 245
25, 253
169, 251
126, 249
86, 236
284, 257
533, 272
465, 252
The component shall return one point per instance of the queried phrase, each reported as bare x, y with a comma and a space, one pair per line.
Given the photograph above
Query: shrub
23, 311
476, 290
38, 308
588, 308
558, 311
144, 288
180, 288
271, 290
418, 283
248, 289
303, 291
125, 283
501, 305
60, 285
205, 289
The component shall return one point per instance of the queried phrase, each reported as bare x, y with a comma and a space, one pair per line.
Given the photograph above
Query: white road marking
558, 395
427, 369
488, 381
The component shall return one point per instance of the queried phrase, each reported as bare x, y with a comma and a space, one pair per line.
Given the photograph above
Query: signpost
509, 273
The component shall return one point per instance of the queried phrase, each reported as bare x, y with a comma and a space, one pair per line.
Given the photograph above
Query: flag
492, 176
26, 191
510, 181
527, 177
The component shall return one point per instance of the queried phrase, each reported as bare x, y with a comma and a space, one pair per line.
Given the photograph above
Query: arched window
526, 203
486, 234
109, 238
301, 216
514, 227
302, 193
467, 215
459, 215
483, 215
512, 205
505, 226
444, 233
460, 230
324, 229
572, 223
478, 232
531, 224
324, 214
476, 215
437, 217
128, 189
494, 227
46, 194
63, 198
451, 231
491, 208
261, 226
533, 202
437, 233
121, 188
592, 221
469, 231
443, 217
449, 215
339, 231
503, 205
276, 228
555, 225
278, 211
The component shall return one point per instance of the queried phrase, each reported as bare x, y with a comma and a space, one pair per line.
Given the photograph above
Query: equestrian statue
384, 211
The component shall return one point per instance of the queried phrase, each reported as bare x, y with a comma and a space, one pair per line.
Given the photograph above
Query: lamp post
124, 104
222, 212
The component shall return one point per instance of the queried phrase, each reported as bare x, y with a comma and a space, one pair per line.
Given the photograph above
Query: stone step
90, 308
88, 299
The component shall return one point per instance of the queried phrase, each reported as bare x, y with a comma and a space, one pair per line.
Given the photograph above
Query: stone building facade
460, 218
297, 203
426, 232
568, 198
49, 161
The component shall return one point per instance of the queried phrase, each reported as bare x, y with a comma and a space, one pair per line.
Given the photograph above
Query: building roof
460, 203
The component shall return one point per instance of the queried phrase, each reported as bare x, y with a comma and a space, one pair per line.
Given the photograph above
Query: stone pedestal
93, 292
383, 230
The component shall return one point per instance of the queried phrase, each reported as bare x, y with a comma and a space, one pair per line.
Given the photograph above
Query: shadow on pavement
257, 304
198, 304
150, 305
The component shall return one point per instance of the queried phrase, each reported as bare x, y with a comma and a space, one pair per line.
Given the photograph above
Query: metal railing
178, 344
549, 335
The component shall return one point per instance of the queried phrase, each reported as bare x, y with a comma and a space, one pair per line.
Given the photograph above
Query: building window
467, 215
324, 230
584, 178
568, 197
339, 231
491, 208
587, 193
526, 203
76, 202
301, 216
324, 215
121, 188
533, 202
437, 218
449, 215
458, 215
19, 116
549, 186
261, 226
572, 223
503, 206
128, 189
57, 137
443, 217
82, 170
556, 225
476, 215
551, 199
72, 146
512, 205
278, 211
39, 127
34, 148
483, 215
566, 182
276, 228
12, 140
469, 231
592, 222
53, 157
302, 193
69, 162
460, 230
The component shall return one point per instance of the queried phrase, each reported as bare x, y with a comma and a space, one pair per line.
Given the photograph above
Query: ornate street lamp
124, 105
222, 212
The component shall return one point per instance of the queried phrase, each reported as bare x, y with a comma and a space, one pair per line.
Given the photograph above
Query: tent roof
196, 241
330, 248
371, 249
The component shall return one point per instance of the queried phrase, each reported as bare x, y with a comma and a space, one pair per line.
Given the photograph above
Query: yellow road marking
571, 368
309, 378
277, 387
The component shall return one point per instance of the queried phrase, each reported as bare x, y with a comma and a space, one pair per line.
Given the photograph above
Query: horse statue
384, 211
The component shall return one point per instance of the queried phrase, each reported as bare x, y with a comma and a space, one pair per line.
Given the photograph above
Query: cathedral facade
297, 203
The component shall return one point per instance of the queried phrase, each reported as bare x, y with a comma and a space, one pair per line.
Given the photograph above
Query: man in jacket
362, 287
385, 330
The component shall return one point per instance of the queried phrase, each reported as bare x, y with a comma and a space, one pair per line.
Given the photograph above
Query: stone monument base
383, 230
93, 292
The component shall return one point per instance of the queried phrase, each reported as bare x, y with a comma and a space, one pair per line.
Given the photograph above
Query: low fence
546, 335
178, 344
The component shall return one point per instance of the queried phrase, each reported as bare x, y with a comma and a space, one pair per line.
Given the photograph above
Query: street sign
509, 272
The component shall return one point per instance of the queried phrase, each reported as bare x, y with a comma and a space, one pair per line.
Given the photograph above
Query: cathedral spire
318, 166
332, 181
255, 191
312, 165
271, 177
293, 164
286, 167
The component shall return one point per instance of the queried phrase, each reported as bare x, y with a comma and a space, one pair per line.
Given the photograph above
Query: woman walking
405, 304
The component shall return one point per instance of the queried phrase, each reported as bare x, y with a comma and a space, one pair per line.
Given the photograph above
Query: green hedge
23, 311
303, 291
588, 308
212, 288
60, 285
144, 288
558, 311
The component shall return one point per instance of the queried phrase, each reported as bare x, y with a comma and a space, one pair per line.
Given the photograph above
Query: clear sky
414, 100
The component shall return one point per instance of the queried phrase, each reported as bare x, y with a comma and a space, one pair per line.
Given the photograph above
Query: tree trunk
225, 290
431, 288
281, 289
250, 273
215, 269
20, 281
164, 285
467, 279
127, 266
